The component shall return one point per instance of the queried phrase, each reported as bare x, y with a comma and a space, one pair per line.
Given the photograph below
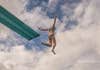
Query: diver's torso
51, 33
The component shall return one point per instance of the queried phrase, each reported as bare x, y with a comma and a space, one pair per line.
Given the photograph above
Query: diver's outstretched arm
53, 27
41, 29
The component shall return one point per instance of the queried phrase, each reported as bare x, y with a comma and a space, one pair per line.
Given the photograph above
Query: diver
51, 36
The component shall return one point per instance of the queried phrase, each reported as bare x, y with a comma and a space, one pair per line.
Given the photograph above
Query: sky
77, 35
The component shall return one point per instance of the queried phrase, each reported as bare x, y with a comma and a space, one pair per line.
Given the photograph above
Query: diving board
12, 22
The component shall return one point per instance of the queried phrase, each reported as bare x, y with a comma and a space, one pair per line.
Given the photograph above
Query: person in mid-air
51, 36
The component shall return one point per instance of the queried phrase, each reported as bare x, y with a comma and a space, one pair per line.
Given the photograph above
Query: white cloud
18, 58
72, 45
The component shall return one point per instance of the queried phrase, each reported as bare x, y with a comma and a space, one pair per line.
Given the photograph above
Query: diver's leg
53, 44
48, 43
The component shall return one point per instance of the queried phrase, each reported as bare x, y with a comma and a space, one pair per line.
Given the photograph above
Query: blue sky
32, 4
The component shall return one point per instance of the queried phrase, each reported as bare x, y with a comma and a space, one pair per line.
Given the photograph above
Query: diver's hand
39, 28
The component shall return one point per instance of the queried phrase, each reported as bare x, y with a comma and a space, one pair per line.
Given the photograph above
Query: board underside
12, 22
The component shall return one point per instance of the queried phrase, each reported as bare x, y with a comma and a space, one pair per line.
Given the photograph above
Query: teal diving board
12, 22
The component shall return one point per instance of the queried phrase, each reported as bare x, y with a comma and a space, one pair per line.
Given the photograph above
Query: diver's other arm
41, 29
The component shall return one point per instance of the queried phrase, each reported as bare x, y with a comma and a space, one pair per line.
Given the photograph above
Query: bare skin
51, 36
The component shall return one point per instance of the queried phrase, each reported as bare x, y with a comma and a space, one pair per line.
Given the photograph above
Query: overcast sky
77, 35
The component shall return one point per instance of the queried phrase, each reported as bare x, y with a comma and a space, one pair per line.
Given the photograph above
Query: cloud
77, 49
17, 58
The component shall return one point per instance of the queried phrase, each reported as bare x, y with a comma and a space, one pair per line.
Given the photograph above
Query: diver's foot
53, 52
46, 44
